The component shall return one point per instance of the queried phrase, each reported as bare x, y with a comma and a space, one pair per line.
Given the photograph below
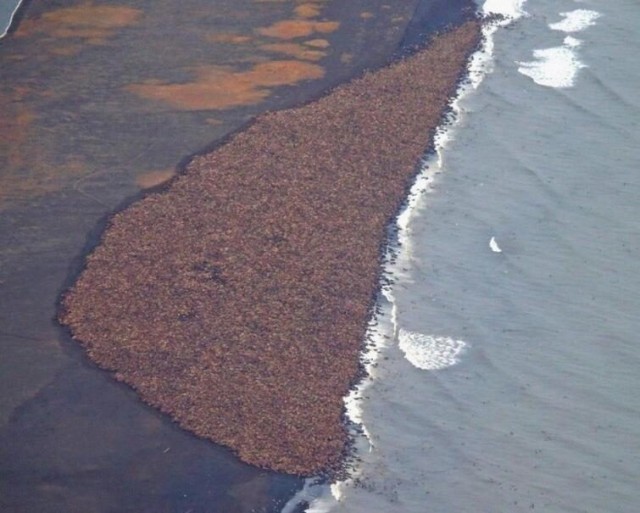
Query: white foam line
11, 18
479, 66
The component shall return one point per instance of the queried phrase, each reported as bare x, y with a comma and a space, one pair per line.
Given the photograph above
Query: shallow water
541, 408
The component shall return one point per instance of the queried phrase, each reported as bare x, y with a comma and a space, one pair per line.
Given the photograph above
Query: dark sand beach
94, 112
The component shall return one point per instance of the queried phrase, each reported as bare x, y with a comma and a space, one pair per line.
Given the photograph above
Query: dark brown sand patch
294, 50
27, 167
221, 87
228, 37
15, 125
93, 23
307, 10
237, 300
318, 43
292, 29
66, 50
346, 57
154, 178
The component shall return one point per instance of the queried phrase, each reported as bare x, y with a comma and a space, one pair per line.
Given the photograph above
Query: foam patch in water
554, 67
510, 8
575, 21
572, 42
559, 66
428, 352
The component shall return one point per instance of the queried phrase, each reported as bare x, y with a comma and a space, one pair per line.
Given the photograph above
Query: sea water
8, 10
506, 377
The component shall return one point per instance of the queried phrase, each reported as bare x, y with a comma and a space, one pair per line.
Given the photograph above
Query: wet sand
78, 143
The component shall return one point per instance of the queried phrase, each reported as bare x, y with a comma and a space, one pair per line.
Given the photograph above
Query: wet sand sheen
236, 301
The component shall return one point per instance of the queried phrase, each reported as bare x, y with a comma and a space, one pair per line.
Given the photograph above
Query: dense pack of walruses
236, 299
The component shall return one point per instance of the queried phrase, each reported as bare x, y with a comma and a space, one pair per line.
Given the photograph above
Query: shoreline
14, 18
384, 327
216, 272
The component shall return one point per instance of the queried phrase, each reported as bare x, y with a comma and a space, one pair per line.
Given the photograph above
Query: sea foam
428, 352
558, 67
575, 21
553, 67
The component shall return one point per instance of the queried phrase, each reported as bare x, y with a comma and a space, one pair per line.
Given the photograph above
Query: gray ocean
510, 378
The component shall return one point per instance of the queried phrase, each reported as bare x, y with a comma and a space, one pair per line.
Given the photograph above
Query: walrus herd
236, 299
